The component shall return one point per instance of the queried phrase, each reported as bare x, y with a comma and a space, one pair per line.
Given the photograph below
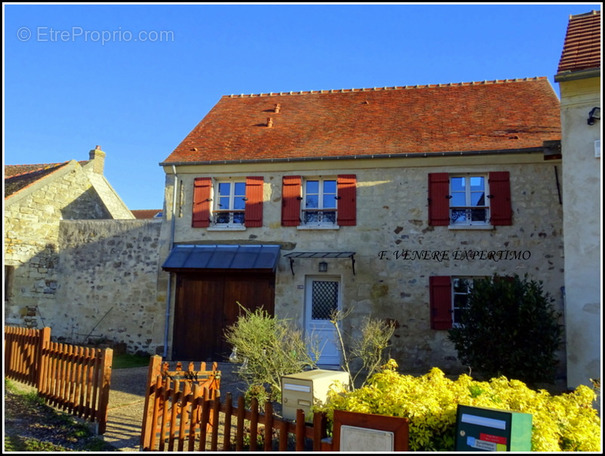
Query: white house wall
582, 193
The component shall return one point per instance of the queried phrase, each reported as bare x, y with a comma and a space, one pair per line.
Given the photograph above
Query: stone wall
392, 219
31, 236
108, 289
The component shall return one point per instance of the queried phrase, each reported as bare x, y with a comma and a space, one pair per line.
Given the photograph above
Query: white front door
322, 299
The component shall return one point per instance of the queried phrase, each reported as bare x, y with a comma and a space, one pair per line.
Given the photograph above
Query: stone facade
35, 258
108, 287
396, 250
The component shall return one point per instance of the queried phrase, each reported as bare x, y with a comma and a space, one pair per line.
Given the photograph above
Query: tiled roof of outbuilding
582, 48
476, 116
17, 177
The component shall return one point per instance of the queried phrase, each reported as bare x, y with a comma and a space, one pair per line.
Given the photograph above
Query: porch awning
293, 255
259, 257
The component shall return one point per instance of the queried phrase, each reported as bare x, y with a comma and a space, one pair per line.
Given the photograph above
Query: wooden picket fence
71, 378
186, 413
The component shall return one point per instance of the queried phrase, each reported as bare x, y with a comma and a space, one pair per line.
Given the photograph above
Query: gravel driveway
127, 400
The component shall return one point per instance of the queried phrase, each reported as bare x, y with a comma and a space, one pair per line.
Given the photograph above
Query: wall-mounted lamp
594, 114
323, 266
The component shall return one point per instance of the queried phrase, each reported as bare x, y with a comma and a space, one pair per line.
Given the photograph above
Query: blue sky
136, 79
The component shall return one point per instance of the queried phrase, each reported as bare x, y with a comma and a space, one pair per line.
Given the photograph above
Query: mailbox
486, 429
302, 390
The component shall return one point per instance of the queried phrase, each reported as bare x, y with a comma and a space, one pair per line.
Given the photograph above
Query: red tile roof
145, 213
17, 177
476, 116
582, 48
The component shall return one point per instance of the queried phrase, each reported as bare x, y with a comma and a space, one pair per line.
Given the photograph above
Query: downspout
170, 245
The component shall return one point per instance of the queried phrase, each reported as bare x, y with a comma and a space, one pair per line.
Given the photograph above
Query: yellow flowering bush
566, 422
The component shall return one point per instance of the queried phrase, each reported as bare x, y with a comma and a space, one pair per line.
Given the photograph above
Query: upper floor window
326, 202
320, 198
227, 203
470, 200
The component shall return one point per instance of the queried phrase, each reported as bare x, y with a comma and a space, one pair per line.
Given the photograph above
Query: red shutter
290, 213
347, 200
439, 201
201, 202
441, 302
500, 205
254, 202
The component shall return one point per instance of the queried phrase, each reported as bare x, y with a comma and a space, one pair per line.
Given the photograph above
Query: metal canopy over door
322, 298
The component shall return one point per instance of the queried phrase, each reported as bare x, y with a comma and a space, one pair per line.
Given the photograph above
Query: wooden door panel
206, 304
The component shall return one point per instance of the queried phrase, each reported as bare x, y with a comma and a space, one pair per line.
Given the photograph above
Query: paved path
125, 410
127, 400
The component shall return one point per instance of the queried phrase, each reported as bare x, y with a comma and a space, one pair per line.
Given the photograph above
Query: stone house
72, 252
382, 202
579, 78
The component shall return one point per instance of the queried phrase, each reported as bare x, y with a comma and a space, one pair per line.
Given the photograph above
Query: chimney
97, 156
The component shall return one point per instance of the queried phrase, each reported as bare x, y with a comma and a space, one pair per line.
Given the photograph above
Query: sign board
486, 429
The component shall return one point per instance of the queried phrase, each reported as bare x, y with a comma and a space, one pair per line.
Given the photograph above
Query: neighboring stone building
75, 258
579, 77
384, 202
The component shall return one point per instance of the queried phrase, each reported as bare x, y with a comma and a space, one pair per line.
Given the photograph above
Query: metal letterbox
486, 429
302, 390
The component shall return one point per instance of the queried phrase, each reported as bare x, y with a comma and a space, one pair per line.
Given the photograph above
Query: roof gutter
581, 74
529, 150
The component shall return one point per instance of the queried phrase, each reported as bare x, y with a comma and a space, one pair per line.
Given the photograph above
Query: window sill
226, 228
471, 227
318, 227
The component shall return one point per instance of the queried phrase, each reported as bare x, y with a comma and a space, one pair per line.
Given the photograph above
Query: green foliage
510, 328
268, 348
127, 360
566, 422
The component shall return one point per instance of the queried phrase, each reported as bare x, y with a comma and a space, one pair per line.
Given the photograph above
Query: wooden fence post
155, 366
106, 363
44, 340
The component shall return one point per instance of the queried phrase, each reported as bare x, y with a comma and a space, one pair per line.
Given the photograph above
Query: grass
126, 360
30, 425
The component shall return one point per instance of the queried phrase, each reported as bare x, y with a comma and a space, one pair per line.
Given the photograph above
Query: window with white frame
469, 202
461, 290
320, 198
229, 203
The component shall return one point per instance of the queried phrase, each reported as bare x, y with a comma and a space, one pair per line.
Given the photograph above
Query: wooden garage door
206, 304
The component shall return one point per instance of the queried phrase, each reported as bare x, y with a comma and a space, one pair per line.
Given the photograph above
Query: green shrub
510, 329
566, 422
268, 349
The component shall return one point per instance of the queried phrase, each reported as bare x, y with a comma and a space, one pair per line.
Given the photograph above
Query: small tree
509, 328
269, 348
368, 350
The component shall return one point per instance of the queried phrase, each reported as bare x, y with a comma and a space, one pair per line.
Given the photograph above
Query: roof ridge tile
364, 89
